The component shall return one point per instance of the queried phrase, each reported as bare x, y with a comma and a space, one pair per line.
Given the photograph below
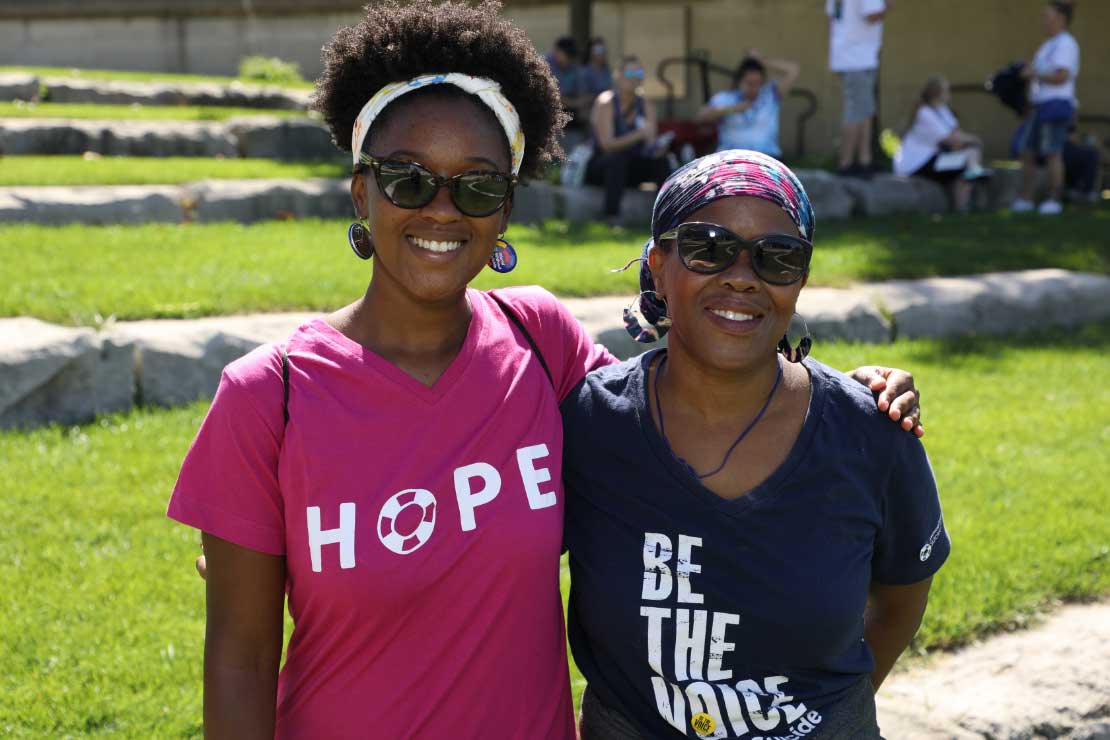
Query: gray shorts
859, 94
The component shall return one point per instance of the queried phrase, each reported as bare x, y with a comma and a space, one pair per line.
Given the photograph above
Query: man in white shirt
1052, 76
855, 38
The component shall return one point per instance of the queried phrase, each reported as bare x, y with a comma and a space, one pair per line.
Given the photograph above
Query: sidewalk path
1051, 681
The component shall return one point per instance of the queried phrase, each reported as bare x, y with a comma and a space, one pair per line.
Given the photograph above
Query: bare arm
785, 73
603, 127
893, 616
898, 397
960, 139
1055, 77
651, 121
245, 594
879, 15
712, 114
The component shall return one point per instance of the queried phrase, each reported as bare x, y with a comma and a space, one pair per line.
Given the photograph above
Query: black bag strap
528, 337
284, 386
510, 313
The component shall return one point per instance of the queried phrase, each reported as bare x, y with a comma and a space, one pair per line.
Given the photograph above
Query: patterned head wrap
486, 90
734, 172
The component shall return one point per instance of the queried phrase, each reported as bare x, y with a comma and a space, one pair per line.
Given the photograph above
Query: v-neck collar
377, 365
684, 476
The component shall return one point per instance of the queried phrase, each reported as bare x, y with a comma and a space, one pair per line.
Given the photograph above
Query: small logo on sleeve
927, 550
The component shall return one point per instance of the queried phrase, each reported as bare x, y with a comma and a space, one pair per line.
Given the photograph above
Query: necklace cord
738, 440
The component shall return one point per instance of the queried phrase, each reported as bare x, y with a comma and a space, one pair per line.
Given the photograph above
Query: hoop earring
639, 323
358, 236
805, 343
503, 258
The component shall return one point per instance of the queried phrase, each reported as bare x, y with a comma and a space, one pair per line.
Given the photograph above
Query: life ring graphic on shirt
404, 543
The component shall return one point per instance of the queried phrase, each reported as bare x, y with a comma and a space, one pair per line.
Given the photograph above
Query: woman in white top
1051, 78
936, 147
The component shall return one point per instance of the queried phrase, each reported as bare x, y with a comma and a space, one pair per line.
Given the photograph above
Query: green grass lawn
75, 274
134, 76
76, 170
106, 111
103, 622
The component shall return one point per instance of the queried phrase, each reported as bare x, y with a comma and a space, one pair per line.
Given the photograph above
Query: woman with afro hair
395, 467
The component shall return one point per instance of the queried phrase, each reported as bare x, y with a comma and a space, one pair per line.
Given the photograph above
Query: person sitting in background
563, 60
1082, 168
935, 147
596, 74
748, 114
1052, 91
624, 131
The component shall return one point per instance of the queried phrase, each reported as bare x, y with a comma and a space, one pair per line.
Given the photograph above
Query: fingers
898, 397
898, 384
870, 375
202, 567
906, 409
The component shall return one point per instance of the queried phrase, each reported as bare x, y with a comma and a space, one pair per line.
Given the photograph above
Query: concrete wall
962, 40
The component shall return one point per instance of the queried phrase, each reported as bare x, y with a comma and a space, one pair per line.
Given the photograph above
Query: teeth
435, 246
732, 315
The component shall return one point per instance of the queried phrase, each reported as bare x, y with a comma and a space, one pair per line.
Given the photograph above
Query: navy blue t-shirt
749, 610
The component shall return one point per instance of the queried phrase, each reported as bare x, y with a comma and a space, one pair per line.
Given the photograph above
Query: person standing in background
563, 61
855, 38
1052, 92
748, 114
596, 74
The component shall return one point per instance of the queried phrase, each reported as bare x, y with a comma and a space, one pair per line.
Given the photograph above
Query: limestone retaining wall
270, 137
61, 374
248, 201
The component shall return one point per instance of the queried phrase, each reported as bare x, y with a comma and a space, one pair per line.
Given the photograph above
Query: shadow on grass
948, 244
1095, 336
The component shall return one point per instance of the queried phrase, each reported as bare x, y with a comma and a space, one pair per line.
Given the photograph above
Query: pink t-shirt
422, 527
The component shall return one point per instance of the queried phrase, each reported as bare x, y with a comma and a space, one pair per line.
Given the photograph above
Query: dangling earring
503, 258
805, 344
358, 235
639, 323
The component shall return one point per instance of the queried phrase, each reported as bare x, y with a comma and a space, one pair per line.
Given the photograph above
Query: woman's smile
735, 318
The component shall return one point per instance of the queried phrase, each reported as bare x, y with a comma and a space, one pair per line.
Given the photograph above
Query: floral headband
486, 90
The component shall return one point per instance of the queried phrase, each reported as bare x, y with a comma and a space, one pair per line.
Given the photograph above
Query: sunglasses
412, 185
778, 259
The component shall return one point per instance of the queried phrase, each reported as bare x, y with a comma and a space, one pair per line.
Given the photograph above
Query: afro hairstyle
398, 41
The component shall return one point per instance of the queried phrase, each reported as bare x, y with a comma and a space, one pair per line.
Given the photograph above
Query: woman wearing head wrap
751, 546
394, 467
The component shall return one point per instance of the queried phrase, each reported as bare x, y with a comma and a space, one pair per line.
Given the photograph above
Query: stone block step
271, 137
27, 87
61, 374
260, 200
235, 95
